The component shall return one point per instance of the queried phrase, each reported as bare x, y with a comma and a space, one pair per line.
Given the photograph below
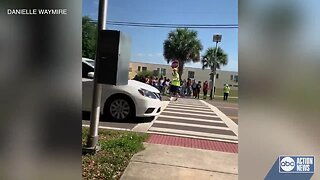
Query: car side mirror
91, 74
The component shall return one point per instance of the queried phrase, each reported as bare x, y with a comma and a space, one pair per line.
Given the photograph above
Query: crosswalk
195, 119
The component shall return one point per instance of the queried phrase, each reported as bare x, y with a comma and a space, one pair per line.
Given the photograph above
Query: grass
218, 98
219, 92
117, 148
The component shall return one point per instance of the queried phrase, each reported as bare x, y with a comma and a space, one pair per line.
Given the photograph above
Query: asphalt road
228, 108
185, 117
129, 125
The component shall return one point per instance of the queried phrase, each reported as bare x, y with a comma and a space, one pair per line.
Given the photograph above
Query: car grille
149, 110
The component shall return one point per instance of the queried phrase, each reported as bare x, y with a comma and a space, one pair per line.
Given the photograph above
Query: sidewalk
172, 162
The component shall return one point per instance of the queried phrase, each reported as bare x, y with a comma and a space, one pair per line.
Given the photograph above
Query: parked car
123, 102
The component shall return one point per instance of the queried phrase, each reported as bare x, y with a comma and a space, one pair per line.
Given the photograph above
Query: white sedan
122, 102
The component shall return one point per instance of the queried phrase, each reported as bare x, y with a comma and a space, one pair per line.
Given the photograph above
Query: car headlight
147, 93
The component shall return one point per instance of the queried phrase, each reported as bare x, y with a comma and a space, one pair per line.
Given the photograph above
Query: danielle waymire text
37, 11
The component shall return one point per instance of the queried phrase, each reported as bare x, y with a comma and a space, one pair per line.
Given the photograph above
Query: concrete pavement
171, 162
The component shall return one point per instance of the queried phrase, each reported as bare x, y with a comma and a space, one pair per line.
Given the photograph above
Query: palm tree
182, 45
222, 58
214, 63
89, 36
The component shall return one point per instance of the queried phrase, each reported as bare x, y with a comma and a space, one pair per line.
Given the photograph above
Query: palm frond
182, 44
221, 59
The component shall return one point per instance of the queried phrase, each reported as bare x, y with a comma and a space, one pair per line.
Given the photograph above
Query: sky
147, 43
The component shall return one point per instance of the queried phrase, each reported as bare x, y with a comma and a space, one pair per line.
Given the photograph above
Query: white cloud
139, 54
159, 54
150, 55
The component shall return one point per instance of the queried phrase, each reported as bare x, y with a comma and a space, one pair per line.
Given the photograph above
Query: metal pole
215, 68
213, 71
211, 91
96, 99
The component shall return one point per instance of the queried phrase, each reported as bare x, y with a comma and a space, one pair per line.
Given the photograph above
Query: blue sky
147, 43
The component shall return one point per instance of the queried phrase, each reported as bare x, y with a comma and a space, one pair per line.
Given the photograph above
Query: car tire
119, 108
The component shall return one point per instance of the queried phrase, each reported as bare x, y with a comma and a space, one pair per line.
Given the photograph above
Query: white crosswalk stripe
193, 118
175, 112
185, 107
191, 110
188, 105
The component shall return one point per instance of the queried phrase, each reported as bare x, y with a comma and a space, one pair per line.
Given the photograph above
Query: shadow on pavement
86, 117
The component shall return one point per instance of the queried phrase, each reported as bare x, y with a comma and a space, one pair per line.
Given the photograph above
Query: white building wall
224, 77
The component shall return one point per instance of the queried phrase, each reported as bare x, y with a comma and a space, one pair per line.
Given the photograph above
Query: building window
158, 71
190, 74
163, 71
139, 68
236, 78
130, 69
144, 68
231, 77
217, 76
155, 73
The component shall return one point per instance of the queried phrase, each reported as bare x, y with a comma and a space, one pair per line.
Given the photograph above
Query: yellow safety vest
175, 80
226, 89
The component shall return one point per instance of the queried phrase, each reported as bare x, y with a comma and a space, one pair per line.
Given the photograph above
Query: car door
87, 87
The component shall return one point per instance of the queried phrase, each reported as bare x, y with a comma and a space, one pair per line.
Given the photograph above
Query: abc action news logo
296, 164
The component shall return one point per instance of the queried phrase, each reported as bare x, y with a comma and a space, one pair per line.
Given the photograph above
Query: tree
222, 58
89, 37
145, 73
214, 63
182, 45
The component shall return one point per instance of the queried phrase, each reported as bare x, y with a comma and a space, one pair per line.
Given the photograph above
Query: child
198, 88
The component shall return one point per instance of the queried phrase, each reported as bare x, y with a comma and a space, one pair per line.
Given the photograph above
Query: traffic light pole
213, 75
92, 140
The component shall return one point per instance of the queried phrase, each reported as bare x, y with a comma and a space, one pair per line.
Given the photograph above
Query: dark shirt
198, 86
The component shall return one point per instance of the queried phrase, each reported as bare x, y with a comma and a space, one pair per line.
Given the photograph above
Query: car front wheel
119, 108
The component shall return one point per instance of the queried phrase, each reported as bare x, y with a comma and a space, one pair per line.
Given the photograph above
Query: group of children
161, 83
179, 88
185, 88
192, 87
175, 87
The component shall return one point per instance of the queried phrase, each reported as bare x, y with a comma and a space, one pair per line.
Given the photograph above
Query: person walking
175, 83
189, 87
136, 77
155, 82
226, 91
166, 85
205, 89
198, 90
160, 84
146, 79
194, 88
183, 88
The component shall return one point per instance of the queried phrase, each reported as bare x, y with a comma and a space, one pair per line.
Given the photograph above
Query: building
222, 77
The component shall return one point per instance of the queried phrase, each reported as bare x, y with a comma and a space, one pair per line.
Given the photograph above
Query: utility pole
92, 140
216, 38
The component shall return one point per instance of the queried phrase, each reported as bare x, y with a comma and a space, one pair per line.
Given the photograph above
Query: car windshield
91, 62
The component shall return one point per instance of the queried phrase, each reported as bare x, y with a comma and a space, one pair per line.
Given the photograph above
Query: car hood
145, 86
